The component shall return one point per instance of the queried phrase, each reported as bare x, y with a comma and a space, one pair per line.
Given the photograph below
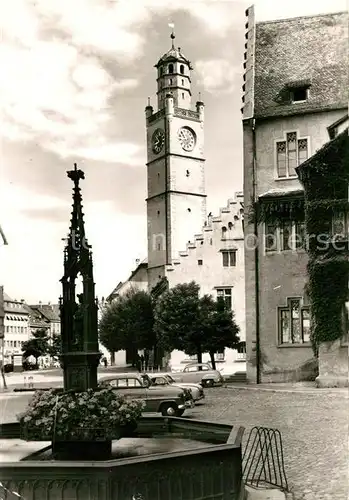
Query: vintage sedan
168, 400
200, 373
162, 379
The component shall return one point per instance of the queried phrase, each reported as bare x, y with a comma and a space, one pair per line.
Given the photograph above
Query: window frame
225, 295
296, 246
299, 137
296, 89
230, 254
287, 307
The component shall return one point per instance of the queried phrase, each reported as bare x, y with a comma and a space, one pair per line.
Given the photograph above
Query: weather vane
173, 36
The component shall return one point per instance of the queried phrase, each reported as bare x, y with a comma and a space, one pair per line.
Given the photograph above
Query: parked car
162, 379
200, 373
168, 400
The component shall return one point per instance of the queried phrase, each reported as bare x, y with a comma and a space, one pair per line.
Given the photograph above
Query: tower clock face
158, 141
187, 139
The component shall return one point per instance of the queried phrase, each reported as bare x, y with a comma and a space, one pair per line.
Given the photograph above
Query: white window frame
279, 235
224, 289
282, 139
302, 307
307, 91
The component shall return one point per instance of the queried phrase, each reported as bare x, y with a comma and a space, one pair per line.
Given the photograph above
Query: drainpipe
256, 255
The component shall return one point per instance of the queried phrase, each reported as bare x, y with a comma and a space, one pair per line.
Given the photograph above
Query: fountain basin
165, 459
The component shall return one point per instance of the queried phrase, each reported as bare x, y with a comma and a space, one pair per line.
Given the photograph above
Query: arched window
230, 226
170, 68
161, 71
181, 69
224, 232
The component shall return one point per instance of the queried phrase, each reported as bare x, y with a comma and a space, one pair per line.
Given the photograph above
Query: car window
170, 379
125, 382
133, 382
113, 383
159, 381
205, 368
191, 369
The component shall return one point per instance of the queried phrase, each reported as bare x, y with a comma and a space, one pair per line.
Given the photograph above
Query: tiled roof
14, 310
173, 55
50, 311
305, 50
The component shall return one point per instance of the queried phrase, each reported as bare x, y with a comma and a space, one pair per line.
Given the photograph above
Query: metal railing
263, 460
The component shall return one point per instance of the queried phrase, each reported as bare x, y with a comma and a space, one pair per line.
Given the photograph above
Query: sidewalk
293, 387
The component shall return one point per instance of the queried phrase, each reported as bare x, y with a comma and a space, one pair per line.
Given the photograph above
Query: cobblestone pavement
314, 430
313, 426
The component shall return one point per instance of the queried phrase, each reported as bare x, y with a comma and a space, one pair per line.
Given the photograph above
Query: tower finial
173, 36
199, 96
148, 101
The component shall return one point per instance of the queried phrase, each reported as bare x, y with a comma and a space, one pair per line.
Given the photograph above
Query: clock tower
176, 203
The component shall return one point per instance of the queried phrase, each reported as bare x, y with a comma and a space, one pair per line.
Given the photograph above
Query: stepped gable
234, 206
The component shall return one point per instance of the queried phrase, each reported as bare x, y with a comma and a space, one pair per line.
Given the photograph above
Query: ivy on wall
277, 209
325, 177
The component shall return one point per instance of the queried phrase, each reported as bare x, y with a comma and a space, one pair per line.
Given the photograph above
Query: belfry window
181, 69
170, 68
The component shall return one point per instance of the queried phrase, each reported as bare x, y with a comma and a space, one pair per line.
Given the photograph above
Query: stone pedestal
80, 370
333, 365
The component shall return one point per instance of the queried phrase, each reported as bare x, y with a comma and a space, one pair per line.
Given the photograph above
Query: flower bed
93, 415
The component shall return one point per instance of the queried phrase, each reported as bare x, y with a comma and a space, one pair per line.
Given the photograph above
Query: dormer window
299, 94
170, 68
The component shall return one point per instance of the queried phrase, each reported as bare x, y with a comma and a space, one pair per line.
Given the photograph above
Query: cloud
56, 92
216, 75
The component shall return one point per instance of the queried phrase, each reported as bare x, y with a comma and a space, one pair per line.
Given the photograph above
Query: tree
177, 320
219, 327
56, 346
195, 325
37, 346
127, 323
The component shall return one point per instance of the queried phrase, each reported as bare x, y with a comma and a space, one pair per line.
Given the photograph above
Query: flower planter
81, 450
81, 444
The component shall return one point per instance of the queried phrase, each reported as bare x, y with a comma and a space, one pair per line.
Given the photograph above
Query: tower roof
174, 54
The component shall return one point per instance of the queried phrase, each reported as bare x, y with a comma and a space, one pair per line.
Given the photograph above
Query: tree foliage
38, 345
128, 323
219, 327
194, 324
56, 346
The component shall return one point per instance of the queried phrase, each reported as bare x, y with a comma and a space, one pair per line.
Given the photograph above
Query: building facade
16, 327
295, 88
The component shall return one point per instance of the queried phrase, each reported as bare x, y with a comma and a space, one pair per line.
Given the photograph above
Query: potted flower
79, 424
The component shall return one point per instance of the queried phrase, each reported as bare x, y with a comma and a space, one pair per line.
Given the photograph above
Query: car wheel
208, 383
169, 410
179, 413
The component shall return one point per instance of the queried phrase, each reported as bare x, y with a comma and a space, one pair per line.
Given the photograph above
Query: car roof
122, 375
198, 364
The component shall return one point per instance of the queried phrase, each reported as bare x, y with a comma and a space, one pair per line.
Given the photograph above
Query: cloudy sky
74, 84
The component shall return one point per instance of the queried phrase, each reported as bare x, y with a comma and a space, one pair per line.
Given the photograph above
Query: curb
281, 389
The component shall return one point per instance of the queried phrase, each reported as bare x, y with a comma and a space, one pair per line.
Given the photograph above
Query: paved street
313, 425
